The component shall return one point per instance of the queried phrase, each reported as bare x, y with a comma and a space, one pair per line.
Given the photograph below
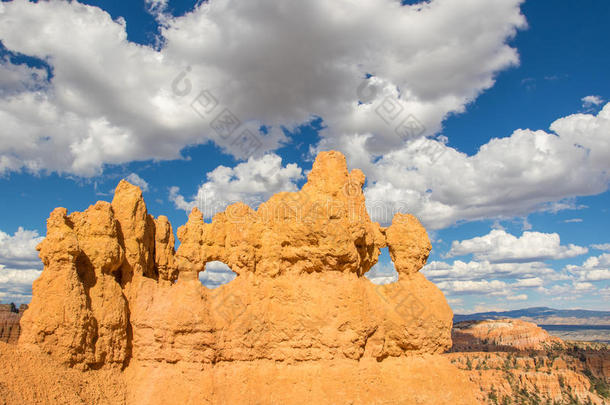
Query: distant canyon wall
9, 322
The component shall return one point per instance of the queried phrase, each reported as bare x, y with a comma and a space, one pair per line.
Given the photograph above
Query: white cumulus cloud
16, 284
136, 180
491, 287
251, 182
595, 268
278, 64
589, 102
216, 274
498, 246
474, 270
19, 250
19, 265
527, 172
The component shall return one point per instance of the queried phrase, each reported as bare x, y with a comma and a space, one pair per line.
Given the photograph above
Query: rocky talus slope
516, 362
299, 324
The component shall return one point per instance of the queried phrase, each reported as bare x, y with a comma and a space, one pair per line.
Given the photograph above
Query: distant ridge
544, 315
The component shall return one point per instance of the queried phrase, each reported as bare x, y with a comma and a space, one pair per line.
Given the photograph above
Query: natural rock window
384, 271
216, 274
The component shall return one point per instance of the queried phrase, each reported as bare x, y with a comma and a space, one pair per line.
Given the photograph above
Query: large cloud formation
498, 246
251, 182
595, 268
525, 172
277, 64
19, 250
507, 266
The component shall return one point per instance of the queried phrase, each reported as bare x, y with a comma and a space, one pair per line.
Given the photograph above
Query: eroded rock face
322, 228
78, 311
113, 290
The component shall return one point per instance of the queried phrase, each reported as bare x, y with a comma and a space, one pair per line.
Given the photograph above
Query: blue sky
516, 222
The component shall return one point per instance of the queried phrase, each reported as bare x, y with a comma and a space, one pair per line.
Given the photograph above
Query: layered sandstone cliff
501, 335
9, 322
525, 378
516, 362
115, 295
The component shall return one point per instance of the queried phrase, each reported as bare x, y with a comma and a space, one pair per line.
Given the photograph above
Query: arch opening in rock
383, 272
216, 274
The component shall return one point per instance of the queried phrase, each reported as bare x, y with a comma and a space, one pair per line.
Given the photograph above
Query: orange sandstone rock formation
115, 295
31, 378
